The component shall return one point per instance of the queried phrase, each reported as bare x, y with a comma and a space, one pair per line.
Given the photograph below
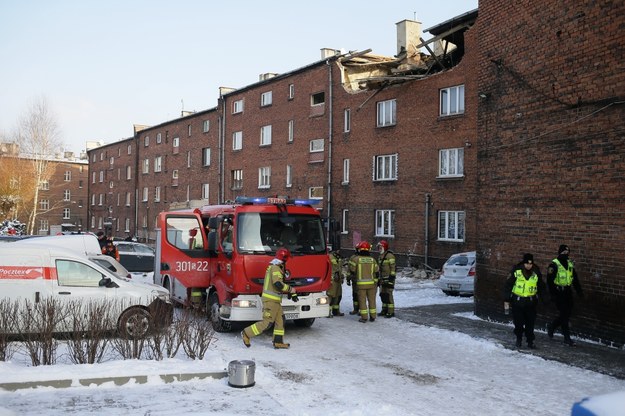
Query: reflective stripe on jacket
564, 277
365, 268
525, 287
272, 275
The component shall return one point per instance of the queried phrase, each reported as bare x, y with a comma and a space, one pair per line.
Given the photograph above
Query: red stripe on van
26, 273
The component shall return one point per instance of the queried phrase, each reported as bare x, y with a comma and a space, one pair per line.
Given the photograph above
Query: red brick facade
550, 151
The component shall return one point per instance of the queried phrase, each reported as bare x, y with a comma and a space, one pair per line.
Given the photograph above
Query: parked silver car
458, 277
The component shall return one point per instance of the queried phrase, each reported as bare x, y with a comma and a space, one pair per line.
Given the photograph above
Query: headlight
244, 303
164, 296
322, 300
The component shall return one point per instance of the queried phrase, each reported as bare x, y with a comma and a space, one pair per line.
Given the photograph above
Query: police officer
561, 275
386, 262
365, 270
273, 288
523, 288
335, 293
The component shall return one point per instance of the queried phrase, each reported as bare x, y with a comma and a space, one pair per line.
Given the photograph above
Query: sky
337, 367
103, 66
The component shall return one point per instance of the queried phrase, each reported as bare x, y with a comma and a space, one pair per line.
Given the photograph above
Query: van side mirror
212, 242
107, 282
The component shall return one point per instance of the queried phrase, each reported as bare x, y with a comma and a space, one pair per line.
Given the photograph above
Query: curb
118, 381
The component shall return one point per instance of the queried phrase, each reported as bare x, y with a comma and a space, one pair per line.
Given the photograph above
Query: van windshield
263, 233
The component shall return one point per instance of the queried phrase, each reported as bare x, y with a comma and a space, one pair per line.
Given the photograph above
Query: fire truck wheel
212, 308
134, 323
304, 323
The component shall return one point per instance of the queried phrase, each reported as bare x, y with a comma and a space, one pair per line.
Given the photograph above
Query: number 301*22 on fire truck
216, 257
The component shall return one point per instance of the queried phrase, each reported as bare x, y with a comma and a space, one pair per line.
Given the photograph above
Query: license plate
291, 316
453, 287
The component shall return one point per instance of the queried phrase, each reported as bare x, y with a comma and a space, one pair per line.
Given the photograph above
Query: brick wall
550, 151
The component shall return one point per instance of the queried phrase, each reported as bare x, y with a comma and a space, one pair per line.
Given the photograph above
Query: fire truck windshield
262, 233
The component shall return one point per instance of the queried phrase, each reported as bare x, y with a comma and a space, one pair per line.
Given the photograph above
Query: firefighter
110, 250
561, 276
351, 281
386, 263
335, 293
365, 270
523, 288
273, 289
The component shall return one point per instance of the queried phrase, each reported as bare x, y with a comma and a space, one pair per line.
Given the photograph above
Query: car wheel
212, 308
304, 323
134, 323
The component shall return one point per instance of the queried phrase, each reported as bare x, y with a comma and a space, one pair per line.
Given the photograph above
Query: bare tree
39, 139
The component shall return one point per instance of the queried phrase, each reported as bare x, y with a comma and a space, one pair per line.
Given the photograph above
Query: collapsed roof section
365, 71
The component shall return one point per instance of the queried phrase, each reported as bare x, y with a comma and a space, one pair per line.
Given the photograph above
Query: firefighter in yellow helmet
365, 270
335, 293
273, 288
386, 262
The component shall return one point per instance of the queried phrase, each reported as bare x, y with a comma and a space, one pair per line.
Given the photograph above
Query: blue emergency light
277, 200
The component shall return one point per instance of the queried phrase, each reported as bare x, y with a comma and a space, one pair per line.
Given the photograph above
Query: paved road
590, 356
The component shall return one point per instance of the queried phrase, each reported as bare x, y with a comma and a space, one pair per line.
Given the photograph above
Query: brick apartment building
550, 151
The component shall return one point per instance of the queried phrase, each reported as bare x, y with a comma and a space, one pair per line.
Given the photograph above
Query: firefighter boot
279, 344
246, 339
338, 313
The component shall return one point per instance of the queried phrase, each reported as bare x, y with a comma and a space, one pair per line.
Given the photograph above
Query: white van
33, 273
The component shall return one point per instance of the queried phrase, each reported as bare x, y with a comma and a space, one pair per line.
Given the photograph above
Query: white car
458, 277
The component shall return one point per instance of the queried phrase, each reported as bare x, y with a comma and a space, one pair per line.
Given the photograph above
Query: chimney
408, 36
329, 52
266, 75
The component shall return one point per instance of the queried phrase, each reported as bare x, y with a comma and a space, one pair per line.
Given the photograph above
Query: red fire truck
216, 256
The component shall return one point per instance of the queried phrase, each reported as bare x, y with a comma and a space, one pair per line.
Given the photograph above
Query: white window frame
265, 135
451, 226
387, 113
146, 141
111, 160
176, 142
101, 200
128, 172
129, 149
44, 225
237, 179
174, 174
385, 167
159, 137
67, 195
127, 225
237, 106
345, 172
347, 120
264, 177
291, 131
189, 129
237, 140
44, 204
206, 125
314, 191
316, 145
67, 176
315, 99
93, 196
384, 223
266, 98
158, 163
345, 221
128, 199
289, 176
205, 191
146, 194
145, 166
188, 158
93, 177
67, 213
291, 91
101, 176
451, 163
451, 100
157, 194
206, 156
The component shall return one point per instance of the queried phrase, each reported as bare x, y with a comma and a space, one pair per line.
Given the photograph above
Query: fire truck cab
216, 257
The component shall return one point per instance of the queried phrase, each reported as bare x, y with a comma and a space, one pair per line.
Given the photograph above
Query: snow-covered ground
337, 367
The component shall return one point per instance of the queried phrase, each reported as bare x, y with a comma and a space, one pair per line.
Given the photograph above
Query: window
93, 157
315, 192
145, 194
44, 204
384, 223
101, 157
128, 195
80, 203
264, 177
347, 120
237, 140
237, 179
158, 163
289, 176
80, 183
205, 189
265, 135
188, 158
157, 194
67, 176
93, 177
144, 221
345, 216
101, 200
206, 124
451, 162
189, 130
159, 137
146, 166
174, 174
316, 145
128, 172
127, 225
45, 185
291, 91
451, 225
44, 225
345, 171
66, 214
387, 113
452, 100
266, 99
318, 98
111, 184
146, 141
291, 130
237, 107
129, 149
111, 161
176, 143
92, 199
206, 156
101, 176
385, 167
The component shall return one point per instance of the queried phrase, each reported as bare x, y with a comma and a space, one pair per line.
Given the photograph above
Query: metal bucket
241, 373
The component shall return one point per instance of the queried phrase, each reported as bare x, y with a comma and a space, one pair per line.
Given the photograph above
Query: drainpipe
222, 135
426, 240
330, 121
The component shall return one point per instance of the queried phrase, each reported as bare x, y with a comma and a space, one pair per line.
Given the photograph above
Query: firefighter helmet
283, 254
363, 246
383, 244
